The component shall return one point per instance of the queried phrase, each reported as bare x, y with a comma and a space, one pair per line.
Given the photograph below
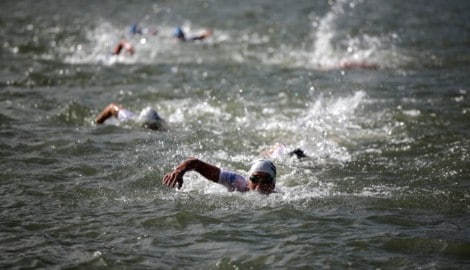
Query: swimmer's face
261, 182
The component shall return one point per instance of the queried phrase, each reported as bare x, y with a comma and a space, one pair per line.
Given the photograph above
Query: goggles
261, 180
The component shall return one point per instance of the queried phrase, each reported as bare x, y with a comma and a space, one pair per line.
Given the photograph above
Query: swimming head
178, 33
149, 118
134, 29
264, 165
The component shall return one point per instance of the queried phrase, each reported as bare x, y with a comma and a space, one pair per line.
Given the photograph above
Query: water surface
386, 184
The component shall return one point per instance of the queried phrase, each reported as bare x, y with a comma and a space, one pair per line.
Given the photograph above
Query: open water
386, 184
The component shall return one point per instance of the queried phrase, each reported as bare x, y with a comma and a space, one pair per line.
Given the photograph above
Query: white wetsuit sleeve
125, 115
233, 181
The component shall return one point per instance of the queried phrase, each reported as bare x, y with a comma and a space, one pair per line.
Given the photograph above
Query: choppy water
386, 185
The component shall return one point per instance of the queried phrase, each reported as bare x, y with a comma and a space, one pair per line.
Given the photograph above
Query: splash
156, 46
100, 41
343, 40
323, 50
322, 128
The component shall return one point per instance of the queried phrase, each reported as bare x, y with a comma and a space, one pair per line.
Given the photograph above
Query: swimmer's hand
207, 170
172, 178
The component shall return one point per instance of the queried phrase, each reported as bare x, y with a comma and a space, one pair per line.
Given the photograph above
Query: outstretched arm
202, 35
123, 44
207, 170
110, 111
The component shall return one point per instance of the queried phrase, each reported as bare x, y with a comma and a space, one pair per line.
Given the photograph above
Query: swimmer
147, 118
123, 45
136, 29
279, 150
179, 34
261, 176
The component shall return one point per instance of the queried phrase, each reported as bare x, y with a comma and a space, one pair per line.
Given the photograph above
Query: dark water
386, 185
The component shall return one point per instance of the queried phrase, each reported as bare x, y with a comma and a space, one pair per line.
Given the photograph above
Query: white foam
412, 113
149, 48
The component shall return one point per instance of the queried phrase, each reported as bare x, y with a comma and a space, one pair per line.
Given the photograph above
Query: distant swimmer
135, 29
147, 118
125, 46
180, 35
279, 150
261, 176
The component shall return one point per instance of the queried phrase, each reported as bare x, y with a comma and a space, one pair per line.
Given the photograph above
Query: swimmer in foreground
147, 118
261, 176
123, 45
180, 35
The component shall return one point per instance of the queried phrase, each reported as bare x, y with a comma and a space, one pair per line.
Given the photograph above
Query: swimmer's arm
207, 170
202, 35
110, 111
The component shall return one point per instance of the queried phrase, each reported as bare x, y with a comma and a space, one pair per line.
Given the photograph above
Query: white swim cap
150, 118
264, 165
